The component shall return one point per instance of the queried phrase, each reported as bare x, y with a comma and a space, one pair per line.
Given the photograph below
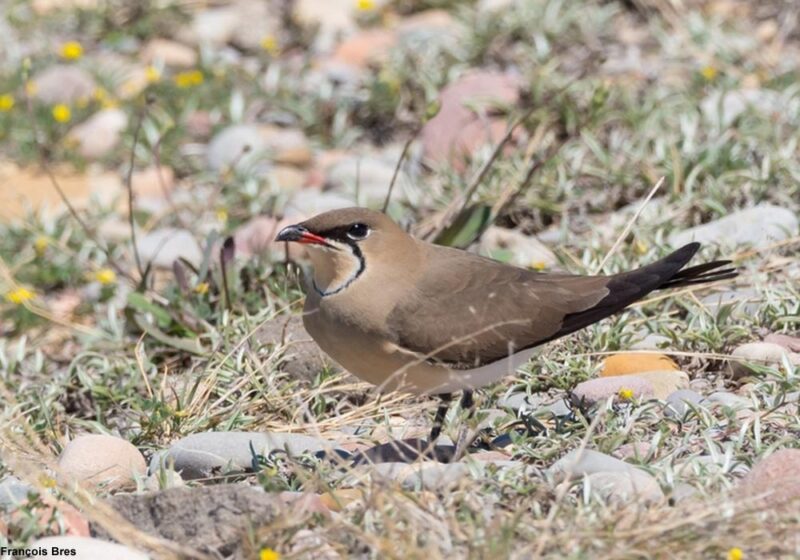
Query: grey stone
100, 133
679, 401
162, 247
309, 202
683, 491
206, 454
13, 492
757, 227
369, 177
429, 475
87, 548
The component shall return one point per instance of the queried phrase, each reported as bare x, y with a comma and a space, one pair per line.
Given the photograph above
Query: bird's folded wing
469, 311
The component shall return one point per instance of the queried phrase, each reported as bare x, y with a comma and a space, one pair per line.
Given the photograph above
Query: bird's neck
335, 271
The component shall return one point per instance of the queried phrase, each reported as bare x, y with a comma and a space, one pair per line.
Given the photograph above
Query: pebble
725, 107
240, 145
206, 454
256, 238
775, 478
666, 382
458, 131
624, 487
365, 48
730, 400
678, 402
636, 450
628, 363
310, 202
764, 354
99, 134
162, 247
652, 342
578, 463
429, 476
519, 249
331, 18
13, 492
791, 343
87, 548
599, 390
170, 53
757, 227
63, 84
288, 146
369, 177
101, 461
163, 479
746, 302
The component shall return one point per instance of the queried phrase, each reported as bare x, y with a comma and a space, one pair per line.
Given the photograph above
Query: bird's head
343, 244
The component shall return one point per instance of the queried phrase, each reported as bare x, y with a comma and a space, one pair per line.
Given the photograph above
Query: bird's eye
358, 231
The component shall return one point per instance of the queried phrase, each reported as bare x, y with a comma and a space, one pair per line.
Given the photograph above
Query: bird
405, 314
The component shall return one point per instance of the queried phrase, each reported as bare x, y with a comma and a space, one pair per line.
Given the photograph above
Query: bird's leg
438, 420
465, 438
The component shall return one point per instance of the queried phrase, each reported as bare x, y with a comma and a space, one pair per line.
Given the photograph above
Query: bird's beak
301, 235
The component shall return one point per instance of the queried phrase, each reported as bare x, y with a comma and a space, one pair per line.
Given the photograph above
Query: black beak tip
291, 233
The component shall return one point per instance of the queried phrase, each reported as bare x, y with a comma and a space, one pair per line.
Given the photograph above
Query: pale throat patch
334, 269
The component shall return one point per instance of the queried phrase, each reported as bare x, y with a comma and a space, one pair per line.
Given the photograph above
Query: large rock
207, 454
301, 358
464, 122
757, 227
774, 479
101, 461
86, 548
212, 519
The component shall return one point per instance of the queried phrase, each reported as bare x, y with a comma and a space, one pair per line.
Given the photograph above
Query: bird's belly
381, 363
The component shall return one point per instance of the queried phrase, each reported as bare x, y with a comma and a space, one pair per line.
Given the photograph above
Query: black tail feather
629, 287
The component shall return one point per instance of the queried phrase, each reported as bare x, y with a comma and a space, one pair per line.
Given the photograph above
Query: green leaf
138, 302
191, 345
467, 227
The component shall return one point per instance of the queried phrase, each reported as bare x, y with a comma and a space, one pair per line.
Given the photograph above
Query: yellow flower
189, 78
640, 247
708, 72
47, 481
104, 98
71, 50
105, 276
40, 244
735, 554
222, 215
365, 5
62, 113
152, 74
6, 102
268, 554
31, 88
625, 394
19, 295
270, 44
201, 288
538, 265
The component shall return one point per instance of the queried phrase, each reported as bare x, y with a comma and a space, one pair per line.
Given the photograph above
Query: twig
397, 170
628, 227
129, 185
